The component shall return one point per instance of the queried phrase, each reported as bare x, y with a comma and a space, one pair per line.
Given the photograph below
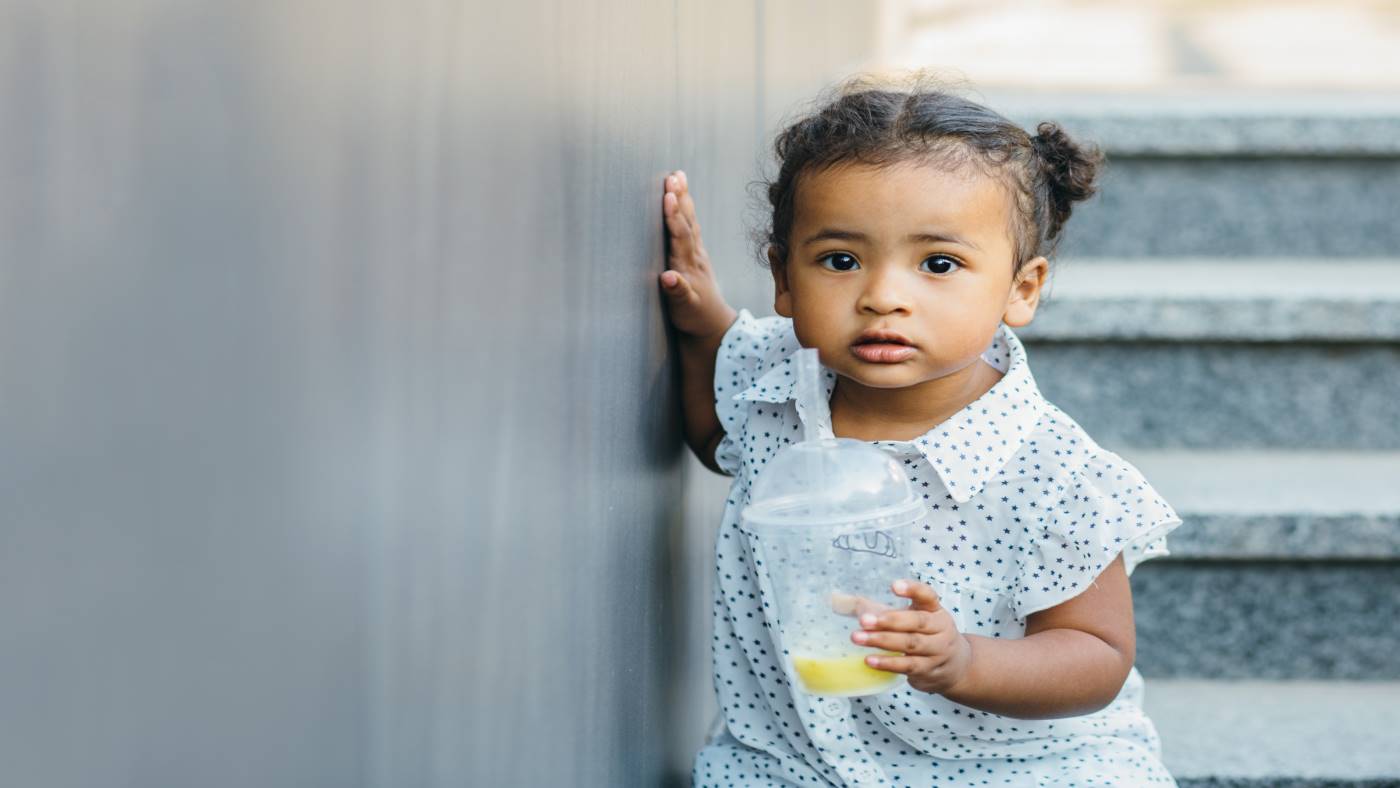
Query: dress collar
972, 445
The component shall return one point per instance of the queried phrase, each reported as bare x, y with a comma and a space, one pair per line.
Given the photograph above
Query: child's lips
882, 352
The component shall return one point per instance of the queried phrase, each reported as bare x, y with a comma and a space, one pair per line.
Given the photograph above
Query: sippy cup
831, 521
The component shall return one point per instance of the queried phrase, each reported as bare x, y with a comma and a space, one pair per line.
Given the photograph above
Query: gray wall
338, 441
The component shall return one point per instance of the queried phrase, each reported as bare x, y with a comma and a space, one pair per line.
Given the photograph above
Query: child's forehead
905, 192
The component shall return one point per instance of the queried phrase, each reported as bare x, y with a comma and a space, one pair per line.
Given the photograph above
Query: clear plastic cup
831, 522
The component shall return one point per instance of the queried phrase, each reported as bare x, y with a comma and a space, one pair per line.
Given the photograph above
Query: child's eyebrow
933, 238
833, 234
829, 234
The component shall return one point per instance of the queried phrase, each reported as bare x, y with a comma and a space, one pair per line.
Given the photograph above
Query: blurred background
338, 428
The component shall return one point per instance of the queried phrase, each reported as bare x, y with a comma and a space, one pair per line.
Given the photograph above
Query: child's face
856, 265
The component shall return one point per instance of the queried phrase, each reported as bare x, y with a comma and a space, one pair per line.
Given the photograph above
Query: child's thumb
677, 289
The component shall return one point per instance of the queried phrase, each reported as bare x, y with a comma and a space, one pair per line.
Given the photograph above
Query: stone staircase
1226, 315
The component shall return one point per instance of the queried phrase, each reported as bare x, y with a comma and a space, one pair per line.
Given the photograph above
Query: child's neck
903, 414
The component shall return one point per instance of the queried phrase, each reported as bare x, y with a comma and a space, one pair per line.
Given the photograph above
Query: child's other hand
936, 656
695, 304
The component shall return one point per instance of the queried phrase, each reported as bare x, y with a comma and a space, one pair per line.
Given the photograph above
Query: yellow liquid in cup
848, 675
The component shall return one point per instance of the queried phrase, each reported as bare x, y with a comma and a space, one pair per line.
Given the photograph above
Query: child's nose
884, 293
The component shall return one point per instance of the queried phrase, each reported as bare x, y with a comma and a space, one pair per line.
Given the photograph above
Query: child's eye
839, 261
939, 264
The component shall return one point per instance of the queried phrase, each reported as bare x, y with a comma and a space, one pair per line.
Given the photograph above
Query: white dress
1024, 510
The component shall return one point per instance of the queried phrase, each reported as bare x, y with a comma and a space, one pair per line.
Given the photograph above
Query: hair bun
1071, 172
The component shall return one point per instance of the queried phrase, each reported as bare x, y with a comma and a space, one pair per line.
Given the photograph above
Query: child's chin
883, 376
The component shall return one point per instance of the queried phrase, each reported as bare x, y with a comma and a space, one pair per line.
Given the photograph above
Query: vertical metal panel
182, 531
338, 419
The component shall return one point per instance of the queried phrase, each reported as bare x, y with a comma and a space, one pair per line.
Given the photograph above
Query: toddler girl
910, 232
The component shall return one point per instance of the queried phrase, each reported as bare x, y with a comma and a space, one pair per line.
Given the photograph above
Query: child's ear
1025, 292
782, 294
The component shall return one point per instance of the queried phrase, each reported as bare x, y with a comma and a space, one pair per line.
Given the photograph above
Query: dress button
835, 707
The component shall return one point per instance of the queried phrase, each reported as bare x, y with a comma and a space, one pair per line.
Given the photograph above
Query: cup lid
837, 481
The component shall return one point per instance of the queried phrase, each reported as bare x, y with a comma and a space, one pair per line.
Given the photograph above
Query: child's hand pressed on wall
700, 315
696, 307
936, 656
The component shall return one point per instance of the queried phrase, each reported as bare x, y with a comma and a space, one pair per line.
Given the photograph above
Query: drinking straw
811, 397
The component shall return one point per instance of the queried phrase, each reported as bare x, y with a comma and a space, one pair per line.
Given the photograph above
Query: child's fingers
687, 204
675, 186
678, 184
921, 596
675, 218
688, 209
866, 607
852, 605
909, 643
910, 620
682, 234
844, 604
905, 665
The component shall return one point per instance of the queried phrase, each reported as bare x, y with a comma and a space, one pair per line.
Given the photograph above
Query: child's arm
1073, 660
700, 315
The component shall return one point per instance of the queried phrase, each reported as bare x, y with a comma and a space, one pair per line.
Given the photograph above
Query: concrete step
1361, 125
1263, 178
1278, 506
1286, 620
1173, 394
1277, 733
1220, 299
1156, 206
1287, 566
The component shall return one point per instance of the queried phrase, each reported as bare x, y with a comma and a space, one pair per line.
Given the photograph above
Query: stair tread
1273, 481
1229, 279
1227, 299
1229, 124
1278, 505
1261, 729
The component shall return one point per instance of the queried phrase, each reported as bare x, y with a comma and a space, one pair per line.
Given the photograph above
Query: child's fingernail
867, 620
900, 586
860, 637
873, 662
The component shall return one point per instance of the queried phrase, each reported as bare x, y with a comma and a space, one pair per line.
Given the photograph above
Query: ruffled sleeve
1108, 508
750, 347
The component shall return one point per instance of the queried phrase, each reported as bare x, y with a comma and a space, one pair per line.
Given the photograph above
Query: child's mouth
882, 352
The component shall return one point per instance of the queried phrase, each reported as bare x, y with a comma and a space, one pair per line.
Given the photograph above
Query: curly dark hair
884, 121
